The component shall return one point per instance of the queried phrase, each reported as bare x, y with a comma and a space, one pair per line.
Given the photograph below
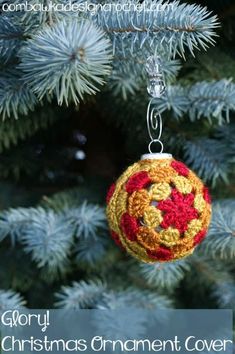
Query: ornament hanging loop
155, 141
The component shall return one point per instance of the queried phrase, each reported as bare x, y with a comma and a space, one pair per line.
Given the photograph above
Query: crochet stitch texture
158, 210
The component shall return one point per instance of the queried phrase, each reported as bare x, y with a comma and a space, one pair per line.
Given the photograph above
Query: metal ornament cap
156, 156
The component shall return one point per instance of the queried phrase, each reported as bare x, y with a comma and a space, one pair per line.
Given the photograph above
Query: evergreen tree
62, 146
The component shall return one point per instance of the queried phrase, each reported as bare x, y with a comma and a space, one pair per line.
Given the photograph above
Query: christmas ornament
158, 210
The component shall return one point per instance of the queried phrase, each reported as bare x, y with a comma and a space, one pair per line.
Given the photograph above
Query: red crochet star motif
161, 254
178, 211
180, 168
129, 226
137, 181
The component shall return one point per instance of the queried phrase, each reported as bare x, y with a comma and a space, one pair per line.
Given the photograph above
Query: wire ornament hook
155, 88
154, 125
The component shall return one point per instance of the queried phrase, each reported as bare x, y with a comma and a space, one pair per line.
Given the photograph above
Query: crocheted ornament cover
158, 210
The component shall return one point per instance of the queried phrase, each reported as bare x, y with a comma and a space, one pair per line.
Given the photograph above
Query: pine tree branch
11, 38
224, 294
220, 242
205, 272
48, 236
177, 26
68, 60
96, 294
129, 74
45, 235
213, 100
10, 300
88, 219
32, 21
16, 98
13, 131
72, 57
208, 157
80, 295
166, 276
92, 250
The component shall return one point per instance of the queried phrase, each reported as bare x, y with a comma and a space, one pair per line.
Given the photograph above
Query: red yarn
110, 193
161, 254
116, 238
137, 181
129, 226
199, 237
178, 211
206, 195
180, 167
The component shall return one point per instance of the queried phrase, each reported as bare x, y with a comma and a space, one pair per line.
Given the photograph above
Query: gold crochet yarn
158, 210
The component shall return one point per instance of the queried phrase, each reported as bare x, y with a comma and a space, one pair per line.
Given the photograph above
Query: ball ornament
158, 210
